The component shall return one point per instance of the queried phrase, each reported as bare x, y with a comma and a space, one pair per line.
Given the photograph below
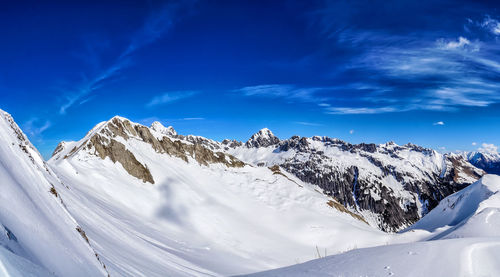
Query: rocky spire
263, 138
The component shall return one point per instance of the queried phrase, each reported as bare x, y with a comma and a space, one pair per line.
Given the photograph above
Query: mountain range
132, 200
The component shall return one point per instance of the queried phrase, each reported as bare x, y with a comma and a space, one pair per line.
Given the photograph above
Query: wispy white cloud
171, 96
308, 123
285, 91
439, 123
408, 71
474, 143
35, 127
490, 24
87, 86
355, 110
351, 132
155, 26
461, 43
489, 148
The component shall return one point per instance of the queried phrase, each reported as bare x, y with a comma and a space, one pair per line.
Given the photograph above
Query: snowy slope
473, 211
201, 212
17, 266
37, 234
465, 241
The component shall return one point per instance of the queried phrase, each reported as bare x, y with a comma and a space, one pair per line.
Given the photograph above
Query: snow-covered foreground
465, 242
454, 257
37, 234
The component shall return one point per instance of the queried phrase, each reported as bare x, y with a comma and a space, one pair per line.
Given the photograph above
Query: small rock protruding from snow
60, 147
263, 138
169, 131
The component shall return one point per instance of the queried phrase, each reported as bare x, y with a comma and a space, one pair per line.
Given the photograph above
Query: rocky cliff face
263, 138
390, 185
110, 139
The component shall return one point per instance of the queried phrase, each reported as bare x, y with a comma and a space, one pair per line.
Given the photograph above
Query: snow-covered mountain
488, 161
464, 241
38, 237
184, 209
392, 186
131, 200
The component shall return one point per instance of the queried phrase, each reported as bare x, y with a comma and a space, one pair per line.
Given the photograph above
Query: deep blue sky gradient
362, 71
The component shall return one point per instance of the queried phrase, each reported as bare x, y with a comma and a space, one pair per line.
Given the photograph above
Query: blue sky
426, 72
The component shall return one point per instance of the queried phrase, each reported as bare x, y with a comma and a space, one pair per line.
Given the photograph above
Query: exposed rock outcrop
110, 139
263, 138
397, 185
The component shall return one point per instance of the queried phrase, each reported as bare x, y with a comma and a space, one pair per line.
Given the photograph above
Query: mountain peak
169, 131
263, 138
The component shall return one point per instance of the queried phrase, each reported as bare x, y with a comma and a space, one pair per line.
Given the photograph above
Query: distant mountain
391, 186
488, 161
38, 237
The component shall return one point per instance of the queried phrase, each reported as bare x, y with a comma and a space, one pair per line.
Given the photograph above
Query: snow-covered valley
131, 200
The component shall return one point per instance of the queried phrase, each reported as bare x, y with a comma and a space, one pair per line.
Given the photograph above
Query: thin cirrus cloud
424, 71
288, 92
400, 72
35, 127
305, 123
171, 96
155, 26
439, 123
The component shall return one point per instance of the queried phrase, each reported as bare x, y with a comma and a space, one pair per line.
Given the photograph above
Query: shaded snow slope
199, 218
37, 234
12, 265
473, 211
464, 241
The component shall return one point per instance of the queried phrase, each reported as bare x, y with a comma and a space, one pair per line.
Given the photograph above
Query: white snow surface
37, 234
465, 241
